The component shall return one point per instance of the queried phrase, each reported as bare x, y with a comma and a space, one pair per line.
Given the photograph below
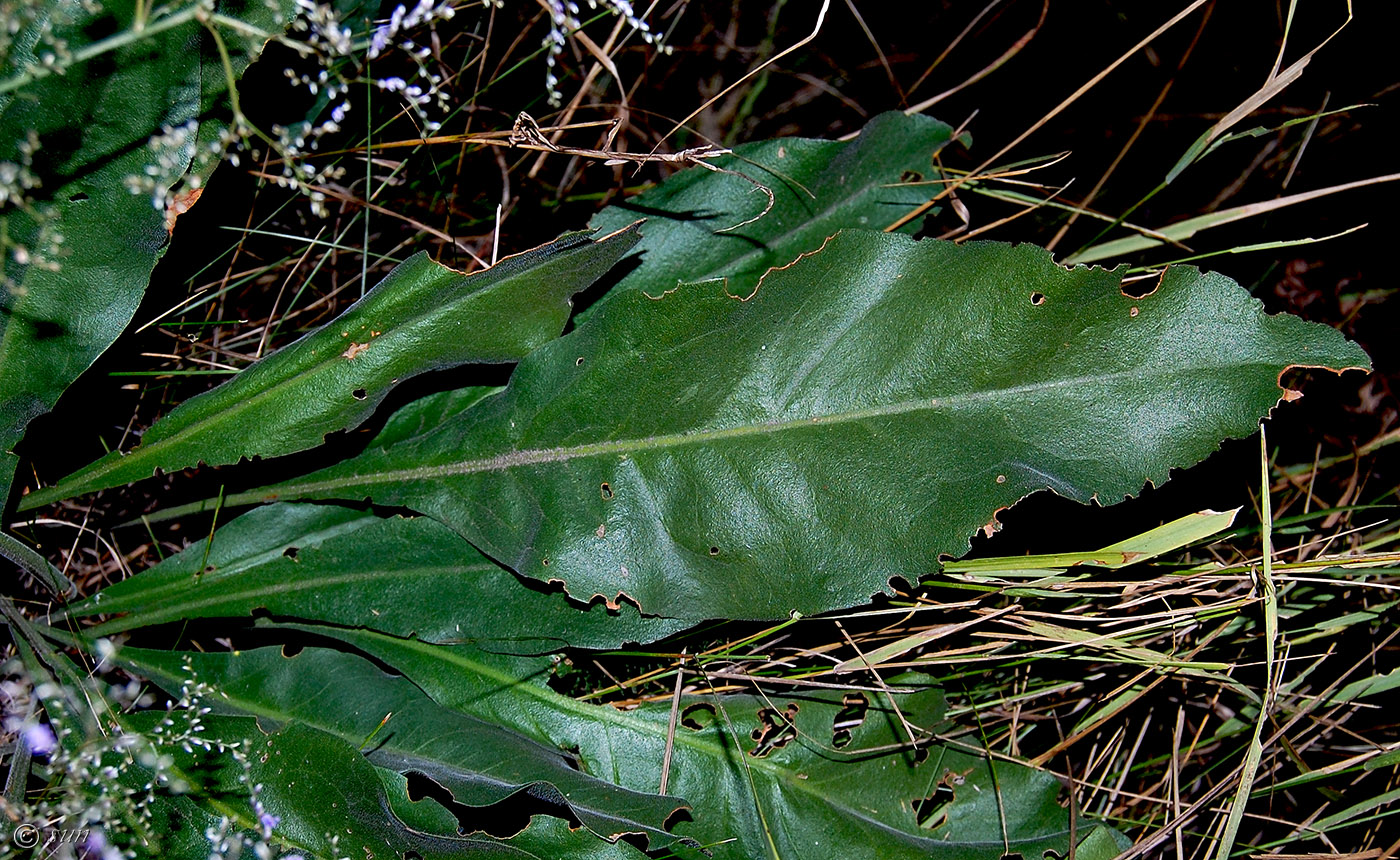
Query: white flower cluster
324, 31
16, 178
90, 791
341, 58
103, 782
16, 181
564, 21
403, 18
426, 87
172, 150
299, 174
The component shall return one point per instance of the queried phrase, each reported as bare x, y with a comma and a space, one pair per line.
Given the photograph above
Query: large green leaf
765, 775
818, 186
331, 564
90, 244
422, 317
480, 763
865, 412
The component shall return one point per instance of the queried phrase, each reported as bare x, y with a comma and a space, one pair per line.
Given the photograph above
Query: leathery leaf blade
868, 409
324, 563
423, 316
704, 224
88, 243
480, 765
820, 774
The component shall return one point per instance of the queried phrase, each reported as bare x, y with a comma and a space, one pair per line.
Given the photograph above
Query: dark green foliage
423, 316
791, 788
90, 243
339, 566
774, 410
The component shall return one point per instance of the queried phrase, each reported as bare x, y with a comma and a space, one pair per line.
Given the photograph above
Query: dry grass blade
1143, 122
385, 210
903, 646
1025, 210
1250, 767
1276, 83
1054, 112
957, 40
1183, 230
879, 51
1016, 48
671, 724
821, 20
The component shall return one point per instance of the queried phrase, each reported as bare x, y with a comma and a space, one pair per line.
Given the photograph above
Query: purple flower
39, 738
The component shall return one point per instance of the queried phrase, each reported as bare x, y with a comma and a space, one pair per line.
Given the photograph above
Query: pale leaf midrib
166, 609
313, 539
538, 456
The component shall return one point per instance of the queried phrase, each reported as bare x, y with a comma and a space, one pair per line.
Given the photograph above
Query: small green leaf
818, 187
422, 317
1369, 686
1150, 544
864, 413
1386, 759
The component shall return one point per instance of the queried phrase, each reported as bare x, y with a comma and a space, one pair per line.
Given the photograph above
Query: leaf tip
634, 228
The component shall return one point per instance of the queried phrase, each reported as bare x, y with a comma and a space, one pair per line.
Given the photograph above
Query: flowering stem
231, 81
37, 71
235, 24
